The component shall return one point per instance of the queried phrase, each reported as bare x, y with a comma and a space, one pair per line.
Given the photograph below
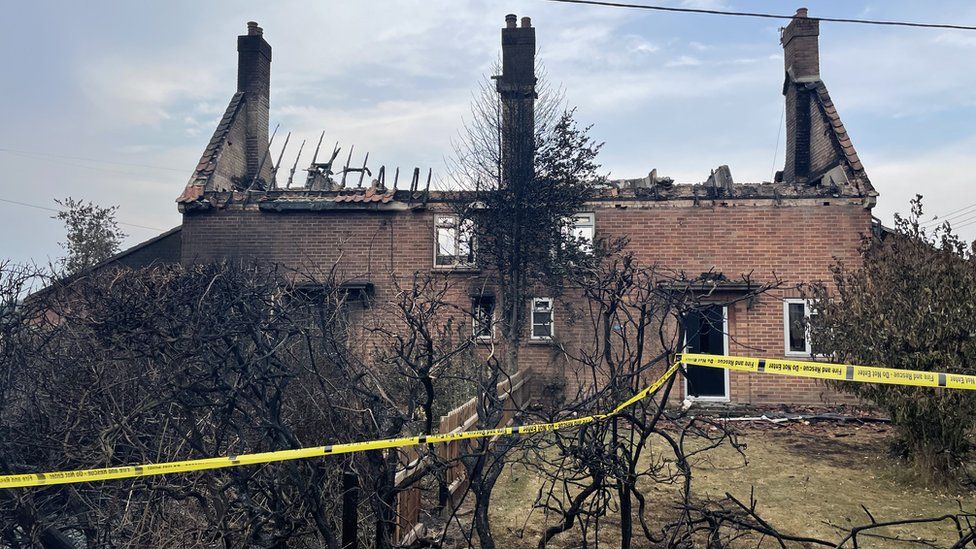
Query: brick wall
797, 242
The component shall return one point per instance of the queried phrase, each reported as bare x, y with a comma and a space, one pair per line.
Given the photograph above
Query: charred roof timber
236, 166
720, 180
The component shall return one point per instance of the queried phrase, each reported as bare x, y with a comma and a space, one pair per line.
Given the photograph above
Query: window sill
809, 358
706, 400
461, 269
540, 341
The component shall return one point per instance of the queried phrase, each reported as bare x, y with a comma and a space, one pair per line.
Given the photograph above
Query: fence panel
513, 392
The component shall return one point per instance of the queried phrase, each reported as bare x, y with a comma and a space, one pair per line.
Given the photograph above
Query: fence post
350, 509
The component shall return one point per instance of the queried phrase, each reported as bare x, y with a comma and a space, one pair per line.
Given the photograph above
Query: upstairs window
583, 231
796, 333
483, 317
542, 318
454, 242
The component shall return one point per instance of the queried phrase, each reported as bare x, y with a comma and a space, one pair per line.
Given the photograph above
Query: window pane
585, 235
483, 311
465, 241
541, 324
446, 246
584, 231
541, 318
797, 335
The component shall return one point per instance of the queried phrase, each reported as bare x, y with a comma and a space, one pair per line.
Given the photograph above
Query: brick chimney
254, 80
801, 57
516, 86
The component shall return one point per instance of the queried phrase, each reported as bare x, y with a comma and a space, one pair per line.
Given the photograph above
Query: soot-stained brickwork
793, 228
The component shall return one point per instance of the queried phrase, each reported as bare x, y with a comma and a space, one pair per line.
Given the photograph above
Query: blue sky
144, 83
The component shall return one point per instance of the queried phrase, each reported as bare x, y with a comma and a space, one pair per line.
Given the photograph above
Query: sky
114, 102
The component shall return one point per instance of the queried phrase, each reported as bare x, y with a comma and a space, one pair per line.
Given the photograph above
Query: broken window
483, 317
542, 318
796, 312
454, 241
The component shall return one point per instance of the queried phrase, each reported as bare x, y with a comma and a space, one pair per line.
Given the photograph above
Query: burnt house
378, 225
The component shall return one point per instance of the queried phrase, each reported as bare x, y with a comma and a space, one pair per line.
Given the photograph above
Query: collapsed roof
820, 157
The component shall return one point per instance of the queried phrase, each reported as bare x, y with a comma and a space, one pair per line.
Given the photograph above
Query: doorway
706, 332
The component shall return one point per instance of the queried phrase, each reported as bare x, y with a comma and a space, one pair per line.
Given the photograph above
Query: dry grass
807, 480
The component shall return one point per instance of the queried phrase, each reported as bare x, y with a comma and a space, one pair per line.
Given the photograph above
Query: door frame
725, 371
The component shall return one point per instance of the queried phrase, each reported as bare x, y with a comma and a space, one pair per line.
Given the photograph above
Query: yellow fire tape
826, 370
149, 469
799, 368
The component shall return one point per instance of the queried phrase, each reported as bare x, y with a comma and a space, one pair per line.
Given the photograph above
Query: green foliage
911, 305
523, 229
92, 236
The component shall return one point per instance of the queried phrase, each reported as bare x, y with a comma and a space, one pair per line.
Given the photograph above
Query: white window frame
725, 352
590, 223
475, 305
807, 313
552, 319
458, 227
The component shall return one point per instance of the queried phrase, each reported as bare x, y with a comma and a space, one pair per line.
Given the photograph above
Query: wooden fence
513, 393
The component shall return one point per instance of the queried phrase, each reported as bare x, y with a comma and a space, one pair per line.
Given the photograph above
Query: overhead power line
950, 215
39, 207
964, 222
765, 15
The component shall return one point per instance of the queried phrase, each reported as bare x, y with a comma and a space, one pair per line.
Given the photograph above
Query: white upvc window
542, 318
796, 330
483, 317
583, 230
454, 241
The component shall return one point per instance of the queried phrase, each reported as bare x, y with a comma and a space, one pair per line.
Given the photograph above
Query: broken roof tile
368, 196
840, 132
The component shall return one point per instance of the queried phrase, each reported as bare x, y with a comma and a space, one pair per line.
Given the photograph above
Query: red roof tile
369, 195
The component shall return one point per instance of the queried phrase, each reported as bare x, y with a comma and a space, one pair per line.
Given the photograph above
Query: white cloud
885, 74
642, 46
143, 93
414, 132
945, 178
956, 38
683, 61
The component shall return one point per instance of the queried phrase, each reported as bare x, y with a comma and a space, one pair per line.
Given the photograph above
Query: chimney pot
510, 20
253, 29
801, 12
526, 22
